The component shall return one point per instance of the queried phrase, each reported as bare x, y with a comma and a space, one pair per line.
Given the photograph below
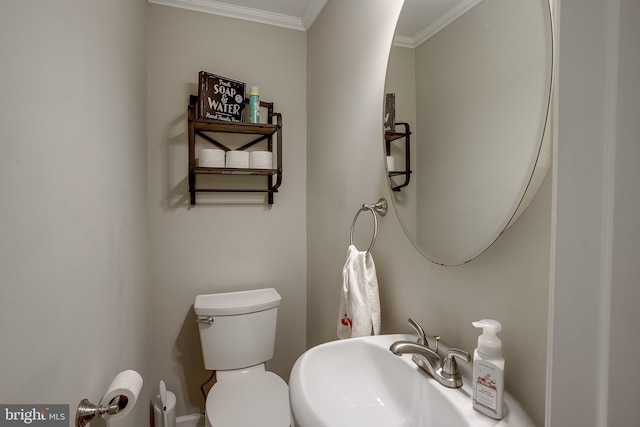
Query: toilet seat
252, 399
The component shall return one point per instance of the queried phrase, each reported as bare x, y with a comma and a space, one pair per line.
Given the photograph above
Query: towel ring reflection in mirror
380, 207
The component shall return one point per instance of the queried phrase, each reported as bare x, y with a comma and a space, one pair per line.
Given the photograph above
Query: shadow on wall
176, 195
188, 356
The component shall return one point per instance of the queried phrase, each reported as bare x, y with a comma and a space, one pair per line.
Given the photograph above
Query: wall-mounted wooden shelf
204, 128
391, 136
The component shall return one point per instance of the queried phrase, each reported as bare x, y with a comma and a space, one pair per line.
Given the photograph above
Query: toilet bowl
251, 399
237, 334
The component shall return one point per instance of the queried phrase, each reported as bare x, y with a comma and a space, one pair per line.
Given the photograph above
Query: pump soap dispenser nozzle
489, 345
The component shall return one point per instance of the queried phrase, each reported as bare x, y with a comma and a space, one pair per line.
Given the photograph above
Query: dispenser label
34, 415
485, 390
487, 393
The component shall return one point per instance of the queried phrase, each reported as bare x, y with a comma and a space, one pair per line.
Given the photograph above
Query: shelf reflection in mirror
476, 94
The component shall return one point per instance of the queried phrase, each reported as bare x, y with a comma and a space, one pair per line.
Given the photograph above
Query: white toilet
237, 335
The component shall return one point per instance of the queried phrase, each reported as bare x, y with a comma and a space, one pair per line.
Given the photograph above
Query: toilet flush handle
208, 320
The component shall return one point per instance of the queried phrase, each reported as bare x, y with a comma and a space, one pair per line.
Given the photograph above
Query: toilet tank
237, 329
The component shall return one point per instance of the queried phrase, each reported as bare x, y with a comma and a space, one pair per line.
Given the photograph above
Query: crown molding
404, 41
451, 15
249, 14
314, 9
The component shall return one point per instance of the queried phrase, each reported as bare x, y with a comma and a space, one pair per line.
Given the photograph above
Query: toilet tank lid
231, 303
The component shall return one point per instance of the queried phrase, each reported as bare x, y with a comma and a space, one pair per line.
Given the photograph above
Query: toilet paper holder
87, 411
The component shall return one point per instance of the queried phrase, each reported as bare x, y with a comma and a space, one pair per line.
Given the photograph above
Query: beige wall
74, 306
347, 51
595, 288
624, 338
239, 243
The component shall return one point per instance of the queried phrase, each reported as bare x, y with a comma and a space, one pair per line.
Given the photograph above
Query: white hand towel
359, 301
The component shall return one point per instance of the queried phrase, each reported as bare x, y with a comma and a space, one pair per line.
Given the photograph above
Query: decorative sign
220, 98
390, 112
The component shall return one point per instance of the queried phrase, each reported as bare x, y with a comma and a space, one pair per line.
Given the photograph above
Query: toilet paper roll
212, 158
261, 160
127, 384
391, 164
238, 159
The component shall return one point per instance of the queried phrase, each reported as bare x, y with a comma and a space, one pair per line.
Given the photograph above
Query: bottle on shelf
254, 105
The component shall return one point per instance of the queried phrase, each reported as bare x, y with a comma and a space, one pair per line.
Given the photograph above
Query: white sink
359, 382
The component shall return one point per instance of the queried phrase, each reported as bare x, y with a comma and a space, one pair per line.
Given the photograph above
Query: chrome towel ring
380, 207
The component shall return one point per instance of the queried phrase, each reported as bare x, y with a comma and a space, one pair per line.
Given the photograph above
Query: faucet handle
437, 340
449, 364
422, 337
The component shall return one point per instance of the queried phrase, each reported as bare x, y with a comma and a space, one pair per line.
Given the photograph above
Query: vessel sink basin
359, 382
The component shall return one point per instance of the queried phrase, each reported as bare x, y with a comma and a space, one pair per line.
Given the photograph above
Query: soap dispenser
488, 370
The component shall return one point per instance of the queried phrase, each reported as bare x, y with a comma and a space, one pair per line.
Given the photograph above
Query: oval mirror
467, 96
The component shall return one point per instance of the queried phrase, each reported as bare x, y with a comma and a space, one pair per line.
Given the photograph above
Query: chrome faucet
445, 371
